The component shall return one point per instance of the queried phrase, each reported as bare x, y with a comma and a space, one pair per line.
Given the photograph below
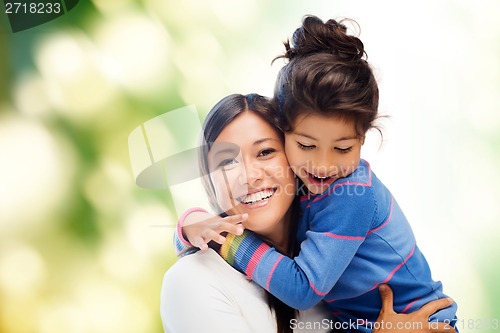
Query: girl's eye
305, 147
266, 152
343, 150
227, 163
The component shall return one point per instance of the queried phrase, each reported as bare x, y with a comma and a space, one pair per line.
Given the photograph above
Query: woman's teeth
258, 196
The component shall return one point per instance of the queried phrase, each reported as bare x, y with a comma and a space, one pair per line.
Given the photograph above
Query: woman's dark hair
326, 73
221, 115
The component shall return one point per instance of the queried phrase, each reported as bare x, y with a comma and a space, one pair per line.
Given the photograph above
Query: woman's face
250, 173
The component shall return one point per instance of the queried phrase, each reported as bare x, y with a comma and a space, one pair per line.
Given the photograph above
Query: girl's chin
316, 189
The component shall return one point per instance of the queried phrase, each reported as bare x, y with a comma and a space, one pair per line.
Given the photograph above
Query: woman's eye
305, 147
343, 150
227, 163
266, 152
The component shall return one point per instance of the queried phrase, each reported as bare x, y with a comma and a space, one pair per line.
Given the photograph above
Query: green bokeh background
84, 249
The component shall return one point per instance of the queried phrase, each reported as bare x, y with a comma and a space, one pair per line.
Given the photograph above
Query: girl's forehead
315, 122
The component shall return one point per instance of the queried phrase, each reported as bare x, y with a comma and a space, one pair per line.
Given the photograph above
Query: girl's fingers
200, 243
234, 219
236, 229
387, 298
211, 235
432, 307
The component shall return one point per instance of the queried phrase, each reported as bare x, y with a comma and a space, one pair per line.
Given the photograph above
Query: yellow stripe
224, 250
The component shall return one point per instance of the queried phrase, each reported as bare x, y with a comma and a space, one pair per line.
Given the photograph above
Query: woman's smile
258, 198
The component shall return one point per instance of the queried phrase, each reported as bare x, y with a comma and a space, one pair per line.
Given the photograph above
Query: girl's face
322, 149
250, 173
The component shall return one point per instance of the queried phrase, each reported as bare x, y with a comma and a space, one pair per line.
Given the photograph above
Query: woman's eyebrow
264, 140
232, 149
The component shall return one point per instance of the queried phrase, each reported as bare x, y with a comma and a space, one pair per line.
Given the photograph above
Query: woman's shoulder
207, 266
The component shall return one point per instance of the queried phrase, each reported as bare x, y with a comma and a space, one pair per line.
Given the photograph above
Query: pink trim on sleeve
180, 222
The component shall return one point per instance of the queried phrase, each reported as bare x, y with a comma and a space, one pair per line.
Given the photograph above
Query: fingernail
244, 216
382, 287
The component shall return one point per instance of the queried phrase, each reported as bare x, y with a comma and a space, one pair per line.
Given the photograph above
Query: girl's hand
200, 228
415, 322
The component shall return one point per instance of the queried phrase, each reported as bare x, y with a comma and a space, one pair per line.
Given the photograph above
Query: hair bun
315, 36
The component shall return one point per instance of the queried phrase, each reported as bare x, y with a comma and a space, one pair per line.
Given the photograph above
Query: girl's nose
323, 165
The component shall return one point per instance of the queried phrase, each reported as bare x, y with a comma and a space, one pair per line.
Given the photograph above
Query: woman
201, 292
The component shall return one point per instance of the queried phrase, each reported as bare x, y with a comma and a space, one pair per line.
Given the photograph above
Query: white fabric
202, 293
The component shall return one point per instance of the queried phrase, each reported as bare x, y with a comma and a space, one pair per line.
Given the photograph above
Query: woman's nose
253, 172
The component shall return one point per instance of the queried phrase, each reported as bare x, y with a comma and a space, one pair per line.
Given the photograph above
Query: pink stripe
391, 274
396, 269
254, 260
319, 293
353, 238
180, 223
386, 221
409, 305
268, 282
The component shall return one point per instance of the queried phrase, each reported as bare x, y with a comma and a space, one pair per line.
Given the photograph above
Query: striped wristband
243, 252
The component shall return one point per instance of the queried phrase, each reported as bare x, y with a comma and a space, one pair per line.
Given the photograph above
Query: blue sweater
353, 237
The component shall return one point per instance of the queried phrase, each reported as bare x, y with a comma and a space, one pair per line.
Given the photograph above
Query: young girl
353, 235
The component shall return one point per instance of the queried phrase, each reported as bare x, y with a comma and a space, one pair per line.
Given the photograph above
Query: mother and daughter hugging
305, 236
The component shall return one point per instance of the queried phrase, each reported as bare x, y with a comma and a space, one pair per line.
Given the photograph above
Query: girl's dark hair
221, 115
326, 73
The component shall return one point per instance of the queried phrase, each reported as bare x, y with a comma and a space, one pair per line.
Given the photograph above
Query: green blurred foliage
85, 249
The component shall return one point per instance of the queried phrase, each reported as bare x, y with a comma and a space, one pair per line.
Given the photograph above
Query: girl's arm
336, 231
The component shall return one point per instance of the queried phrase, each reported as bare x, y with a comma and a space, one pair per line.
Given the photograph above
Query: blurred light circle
61, 316
108, 186
22, 269
116, 257
134, 52
110, 309
35, 174
74, 82
148, 226
31, 95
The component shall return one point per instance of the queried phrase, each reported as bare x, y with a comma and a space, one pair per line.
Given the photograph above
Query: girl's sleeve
181, 245
336, 230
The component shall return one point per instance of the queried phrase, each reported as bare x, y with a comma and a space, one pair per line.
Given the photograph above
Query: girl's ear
362, 140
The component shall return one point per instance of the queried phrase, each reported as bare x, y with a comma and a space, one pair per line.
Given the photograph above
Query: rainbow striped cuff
243, 252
